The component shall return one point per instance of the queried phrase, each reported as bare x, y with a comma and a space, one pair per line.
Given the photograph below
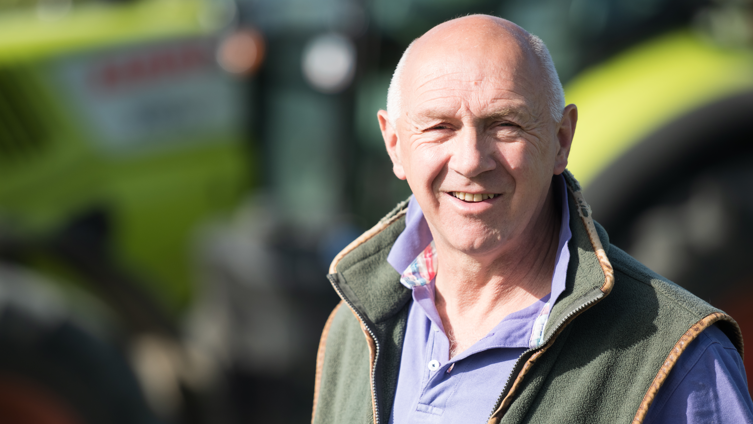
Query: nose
471, 154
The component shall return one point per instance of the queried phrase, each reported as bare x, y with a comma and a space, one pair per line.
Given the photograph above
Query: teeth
469, 197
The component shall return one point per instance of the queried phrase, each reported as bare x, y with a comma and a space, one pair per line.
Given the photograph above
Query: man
492, 296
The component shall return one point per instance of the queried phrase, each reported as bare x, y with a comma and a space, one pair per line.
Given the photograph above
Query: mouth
472, 197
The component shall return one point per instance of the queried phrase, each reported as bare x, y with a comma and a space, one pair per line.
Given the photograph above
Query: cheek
517, 157
438, 177
529, 167
534, 156
427, 162
425, 171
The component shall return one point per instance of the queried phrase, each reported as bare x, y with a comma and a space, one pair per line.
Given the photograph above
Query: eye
442, 126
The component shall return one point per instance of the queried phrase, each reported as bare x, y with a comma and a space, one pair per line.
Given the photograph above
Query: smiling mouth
472, 197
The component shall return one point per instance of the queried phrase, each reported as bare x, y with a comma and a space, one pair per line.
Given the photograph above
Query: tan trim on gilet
671, 360
320, 357
371, 342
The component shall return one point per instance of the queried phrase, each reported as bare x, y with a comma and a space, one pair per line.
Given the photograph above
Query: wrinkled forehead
465, 79
444, 92
464, 60
467, 68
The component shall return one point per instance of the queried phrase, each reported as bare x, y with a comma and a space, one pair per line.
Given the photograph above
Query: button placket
438, 387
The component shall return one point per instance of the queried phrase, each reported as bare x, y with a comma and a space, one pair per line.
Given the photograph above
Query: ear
565, 134
389, 133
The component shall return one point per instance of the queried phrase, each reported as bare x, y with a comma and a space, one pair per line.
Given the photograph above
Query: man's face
476, 143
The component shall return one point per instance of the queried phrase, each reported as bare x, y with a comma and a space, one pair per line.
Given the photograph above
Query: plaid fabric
537, 335
422, 270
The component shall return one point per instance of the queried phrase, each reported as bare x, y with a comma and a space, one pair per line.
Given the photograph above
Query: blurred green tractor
119, 135
663, 147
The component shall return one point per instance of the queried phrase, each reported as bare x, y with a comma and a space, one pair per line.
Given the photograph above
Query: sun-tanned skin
474, 119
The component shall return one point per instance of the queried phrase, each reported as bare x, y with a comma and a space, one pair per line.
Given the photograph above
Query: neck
474, 293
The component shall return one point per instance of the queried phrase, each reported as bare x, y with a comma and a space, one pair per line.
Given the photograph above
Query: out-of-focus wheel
681, 202
54, 371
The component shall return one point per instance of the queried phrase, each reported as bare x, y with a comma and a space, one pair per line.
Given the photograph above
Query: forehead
489, 72
443, 92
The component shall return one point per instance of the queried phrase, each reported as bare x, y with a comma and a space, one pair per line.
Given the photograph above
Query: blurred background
176, 176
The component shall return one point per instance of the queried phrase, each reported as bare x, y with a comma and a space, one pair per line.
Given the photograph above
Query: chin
479, 244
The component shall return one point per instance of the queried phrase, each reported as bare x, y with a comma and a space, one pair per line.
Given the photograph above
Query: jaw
481, 229
469, 226
470, 238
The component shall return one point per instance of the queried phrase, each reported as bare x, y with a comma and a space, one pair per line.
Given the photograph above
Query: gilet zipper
332, 278
525, 355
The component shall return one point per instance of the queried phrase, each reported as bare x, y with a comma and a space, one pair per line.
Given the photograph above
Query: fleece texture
604, 351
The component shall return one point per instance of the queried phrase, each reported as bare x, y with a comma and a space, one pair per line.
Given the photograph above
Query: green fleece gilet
607, 351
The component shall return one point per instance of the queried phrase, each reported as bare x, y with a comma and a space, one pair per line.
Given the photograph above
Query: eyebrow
440, 114
507, 112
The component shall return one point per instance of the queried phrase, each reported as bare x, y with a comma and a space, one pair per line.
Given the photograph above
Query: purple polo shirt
708, 383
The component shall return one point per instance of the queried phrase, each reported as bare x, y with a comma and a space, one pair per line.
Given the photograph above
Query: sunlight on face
475, 140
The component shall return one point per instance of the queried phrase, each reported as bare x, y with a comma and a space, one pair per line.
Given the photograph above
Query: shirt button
433, 365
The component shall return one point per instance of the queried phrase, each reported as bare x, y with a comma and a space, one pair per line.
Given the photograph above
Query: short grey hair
554, 92
394, 92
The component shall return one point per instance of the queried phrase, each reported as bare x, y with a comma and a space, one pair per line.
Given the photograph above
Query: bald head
478, 34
